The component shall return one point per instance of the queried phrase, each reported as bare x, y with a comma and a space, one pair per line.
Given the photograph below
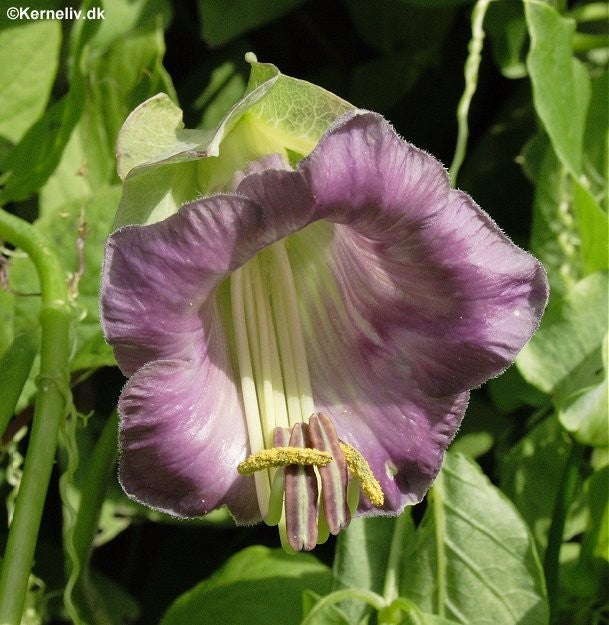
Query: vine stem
55, 321
472, 64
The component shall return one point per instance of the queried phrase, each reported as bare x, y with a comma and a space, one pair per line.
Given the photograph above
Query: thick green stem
15, 367
564, 498
55, 322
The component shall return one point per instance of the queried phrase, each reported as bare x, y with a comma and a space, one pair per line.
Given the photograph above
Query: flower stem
472, 64
55, 320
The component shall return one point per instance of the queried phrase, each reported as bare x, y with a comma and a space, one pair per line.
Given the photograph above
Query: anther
283, 456
360, 469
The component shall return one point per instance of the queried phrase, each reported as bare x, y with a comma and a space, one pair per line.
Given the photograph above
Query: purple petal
420, 264
158, 279
176, 455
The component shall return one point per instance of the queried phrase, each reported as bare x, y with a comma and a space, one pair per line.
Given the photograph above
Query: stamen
334, 478
301, 496
360, 469
283, 456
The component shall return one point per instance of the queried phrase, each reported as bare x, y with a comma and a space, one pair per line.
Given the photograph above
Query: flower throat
291, 445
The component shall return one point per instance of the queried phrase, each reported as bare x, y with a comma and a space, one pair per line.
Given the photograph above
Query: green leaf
129, 15
33, 159
531, 473
593, 227
127, 73
596, 138
473, 559
571, 331
561, 86
223, 21
257, 586
584, 412
29, 55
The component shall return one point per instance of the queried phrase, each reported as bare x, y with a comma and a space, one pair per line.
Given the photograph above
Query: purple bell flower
302, 349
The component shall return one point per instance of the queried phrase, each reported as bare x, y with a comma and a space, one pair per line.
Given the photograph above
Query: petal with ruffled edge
176, 455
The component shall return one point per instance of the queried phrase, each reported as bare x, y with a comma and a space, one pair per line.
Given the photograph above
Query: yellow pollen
281, 456
360, 469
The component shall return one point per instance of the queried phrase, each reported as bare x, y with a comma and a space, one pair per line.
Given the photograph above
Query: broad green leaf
128, 72
361, 557
531, 473
223, 21
29, 55
584, 412
370, 88
596, 139
593, 227
28, 166
126, 16
571, 331
561, 86
163, 165
35, 157
257, 586
554, 236
473, 559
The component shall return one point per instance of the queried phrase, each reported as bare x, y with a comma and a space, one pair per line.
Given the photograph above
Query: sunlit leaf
475, 559
571, 331
29, 55
561, 86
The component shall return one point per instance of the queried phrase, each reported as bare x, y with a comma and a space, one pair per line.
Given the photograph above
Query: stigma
316, 484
